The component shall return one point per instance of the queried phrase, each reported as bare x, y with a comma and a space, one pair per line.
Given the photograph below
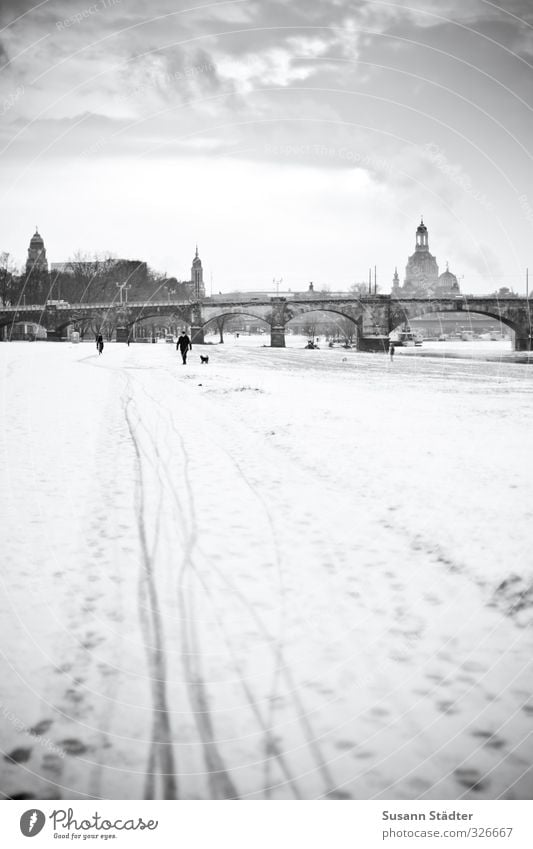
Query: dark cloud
12, 10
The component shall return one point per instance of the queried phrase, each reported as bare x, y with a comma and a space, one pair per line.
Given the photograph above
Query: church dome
421, 227
448, 279
447, 283
37, 240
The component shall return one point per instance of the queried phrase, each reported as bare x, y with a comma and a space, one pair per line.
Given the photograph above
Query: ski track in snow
288, 574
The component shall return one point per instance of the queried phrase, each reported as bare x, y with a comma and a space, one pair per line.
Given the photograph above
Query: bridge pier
373, 344
197, 324
523, 342
197, 334
53, 335
277, 327
277, 336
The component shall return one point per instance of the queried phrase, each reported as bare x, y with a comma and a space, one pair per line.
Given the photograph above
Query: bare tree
217, 325
156, 285
310, 327
7, 283
347, 329
91, 278
359, 290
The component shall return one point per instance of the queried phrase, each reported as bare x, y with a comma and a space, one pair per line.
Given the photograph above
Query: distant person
391, 351
100, 343
184, 345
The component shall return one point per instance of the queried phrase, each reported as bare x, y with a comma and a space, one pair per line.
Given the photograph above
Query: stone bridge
374, 316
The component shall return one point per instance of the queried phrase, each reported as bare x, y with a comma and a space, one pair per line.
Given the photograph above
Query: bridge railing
261, 298
90, 306
25, 308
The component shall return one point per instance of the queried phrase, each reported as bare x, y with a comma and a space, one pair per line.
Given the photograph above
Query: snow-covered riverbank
285, 574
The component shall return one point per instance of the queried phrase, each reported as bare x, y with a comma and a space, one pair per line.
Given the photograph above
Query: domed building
36, 261
447, 284
421, 271
422, 277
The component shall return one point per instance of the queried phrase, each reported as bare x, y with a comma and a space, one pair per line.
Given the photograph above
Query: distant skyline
292, 140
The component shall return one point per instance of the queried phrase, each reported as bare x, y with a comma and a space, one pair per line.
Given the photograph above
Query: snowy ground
287, 574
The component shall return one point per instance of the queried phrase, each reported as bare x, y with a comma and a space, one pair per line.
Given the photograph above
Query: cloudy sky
292, 139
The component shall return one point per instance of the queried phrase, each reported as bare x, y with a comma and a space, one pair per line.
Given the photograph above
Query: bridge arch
343, 319
236, 313
163, 316
301, 310
23, 329
402, 314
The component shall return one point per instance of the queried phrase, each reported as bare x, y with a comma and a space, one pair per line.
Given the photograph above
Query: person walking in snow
184, 345
100, 343
391, 351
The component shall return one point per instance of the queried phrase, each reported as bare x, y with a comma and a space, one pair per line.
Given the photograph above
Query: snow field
287, 574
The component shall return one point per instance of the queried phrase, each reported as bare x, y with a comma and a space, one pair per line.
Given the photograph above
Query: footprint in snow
18, 756
41, 727
72, 746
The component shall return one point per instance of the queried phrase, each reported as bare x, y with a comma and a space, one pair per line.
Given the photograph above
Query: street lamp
277, 282
170, 290
121, 287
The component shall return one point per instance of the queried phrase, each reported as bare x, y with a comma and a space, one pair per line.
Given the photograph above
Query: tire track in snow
222, 787
161, 747
281, 668
300, 711
284, 671
265, 724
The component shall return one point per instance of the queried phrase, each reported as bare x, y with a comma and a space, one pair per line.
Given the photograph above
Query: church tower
395, 283
197, 277
36, 262
422, 237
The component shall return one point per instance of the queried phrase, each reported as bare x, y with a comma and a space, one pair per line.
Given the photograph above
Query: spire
197, 275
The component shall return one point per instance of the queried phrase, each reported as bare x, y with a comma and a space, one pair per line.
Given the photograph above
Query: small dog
204, 360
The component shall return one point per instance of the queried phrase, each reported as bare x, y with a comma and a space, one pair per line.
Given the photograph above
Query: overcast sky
291, 139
